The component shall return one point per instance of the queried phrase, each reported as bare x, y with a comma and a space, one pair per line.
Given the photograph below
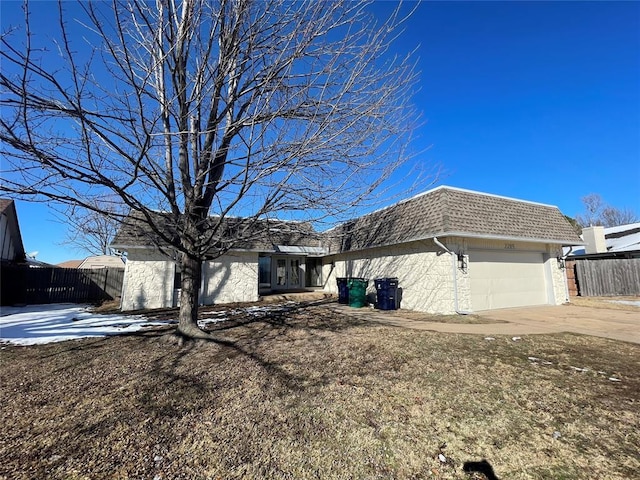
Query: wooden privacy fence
24, 285
608, 276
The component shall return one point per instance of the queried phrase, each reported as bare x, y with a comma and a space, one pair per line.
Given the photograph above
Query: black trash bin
387, 293
343, 290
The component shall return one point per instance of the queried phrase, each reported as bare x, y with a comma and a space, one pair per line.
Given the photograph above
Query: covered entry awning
300, 250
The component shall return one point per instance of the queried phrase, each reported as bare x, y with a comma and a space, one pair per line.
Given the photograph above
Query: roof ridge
503, 197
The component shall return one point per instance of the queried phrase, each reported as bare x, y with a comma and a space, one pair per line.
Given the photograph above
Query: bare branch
270, 109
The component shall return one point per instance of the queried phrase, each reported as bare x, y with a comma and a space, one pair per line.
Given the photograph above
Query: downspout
454, 269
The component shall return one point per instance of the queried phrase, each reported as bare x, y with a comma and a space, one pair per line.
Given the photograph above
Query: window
313, 272
264, 271
177, 278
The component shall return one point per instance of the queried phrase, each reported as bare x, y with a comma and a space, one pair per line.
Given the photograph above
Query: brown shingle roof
70, 264
447, 211
444, 211
250, 234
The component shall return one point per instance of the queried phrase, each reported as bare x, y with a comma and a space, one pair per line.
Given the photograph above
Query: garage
506, 279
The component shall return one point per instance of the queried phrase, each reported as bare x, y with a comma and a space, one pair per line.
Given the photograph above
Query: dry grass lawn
307, 394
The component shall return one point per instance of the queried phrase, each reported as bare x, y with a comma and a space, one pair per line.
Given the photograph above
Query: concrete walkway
600, 322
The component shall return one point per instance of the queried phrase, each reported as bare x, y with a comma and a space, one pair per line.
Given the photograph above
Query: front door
287, 273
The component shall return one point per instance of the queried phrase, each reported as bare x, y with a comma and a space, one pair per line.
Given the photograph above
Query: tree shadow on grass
145, 381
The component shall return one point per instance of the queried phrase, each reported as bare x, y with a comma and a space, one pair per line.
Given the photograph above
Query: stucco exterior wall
230, 278
148, 280
558, 276
424, 273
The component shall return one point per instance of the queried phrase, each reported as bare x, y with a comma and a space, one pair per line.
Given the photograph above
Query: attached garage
501, 279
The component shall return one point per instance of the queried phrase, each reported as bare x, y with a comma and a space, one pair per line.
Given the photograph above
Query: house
452, 250
608, 262
94, 261
70, 264
613, 242
11, 247
272, 256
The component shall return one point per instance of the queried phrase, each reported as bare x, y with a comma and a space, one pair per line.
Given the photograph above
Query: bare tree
92, 231
598, 212
206, 109
612, 216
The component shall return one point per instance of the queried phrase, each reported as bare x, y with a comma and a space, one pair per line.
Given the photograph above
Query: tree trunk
189, 295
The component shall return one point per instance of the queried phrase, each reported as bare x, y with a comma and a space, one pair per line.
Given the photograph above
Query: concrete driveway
600, 322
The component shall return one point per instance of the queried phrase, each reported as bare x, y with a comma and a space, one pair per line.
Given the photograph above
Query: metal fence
24, 285
608, 276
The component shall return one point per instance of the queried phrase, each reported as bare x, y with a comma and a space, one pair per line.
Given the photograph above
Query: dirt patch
306, 393
611, 303
426, 317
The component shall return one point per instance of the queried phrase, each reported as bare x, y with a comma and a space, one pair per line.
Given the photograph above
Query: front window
281, 272
264, 271
313, 272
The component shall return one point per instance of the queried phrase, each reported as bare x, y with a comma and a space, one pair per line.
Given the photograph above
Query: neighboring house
70, 264
613, 242
11, 247
452, 250
94, 261
608, 262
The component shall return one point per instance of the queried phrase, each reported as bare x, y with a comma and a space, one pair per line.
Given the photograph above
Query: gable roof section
447, 211
11, 241
69, 264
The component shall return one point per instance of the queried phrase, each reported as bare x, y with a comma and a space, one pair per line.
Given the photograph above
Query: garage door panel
506, 279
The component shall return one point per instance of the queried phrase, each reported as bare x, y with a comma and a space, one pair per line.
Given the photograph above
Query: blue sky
532, 100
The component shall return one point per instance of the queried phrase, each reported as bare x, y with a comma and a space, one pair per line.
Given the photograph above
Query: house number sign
509, 246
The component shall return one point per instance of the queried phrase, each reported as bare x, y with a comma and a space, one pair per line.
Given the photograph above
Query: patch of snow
206, 321
259, 311
635, 303
214, 314
614, 379
39, 324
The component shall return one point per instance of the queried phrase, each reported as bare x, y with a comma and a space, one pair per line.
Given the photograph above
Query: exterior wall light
463, 262
561, 264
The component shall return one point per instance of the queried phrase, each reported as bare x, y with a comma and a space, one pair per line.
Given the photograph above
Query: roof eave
478, 236
484, 236
123, 247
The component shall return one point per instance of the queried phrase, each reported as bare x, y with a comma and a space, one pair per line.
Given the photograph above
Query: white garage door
506, 279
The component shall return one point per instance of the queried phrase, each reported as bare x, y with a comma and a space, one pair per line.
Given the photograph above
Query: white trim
475, 192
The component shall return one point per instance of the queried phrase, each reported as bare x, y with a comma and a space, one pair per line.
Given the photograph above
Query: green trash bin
358, 292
